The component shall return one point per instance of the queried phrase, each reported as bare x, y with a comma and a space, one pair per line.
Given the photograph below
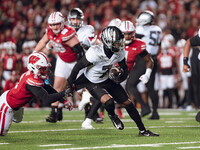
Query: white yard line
174, 121
194, 147
124, 146
53, 145
3, 143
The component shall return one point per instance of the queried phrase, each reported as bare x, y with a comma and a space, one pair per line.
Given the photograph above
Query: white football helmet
146, 17
39, 65
127, 27
54, 18
115, 22
113, 38
10, 47
170, 38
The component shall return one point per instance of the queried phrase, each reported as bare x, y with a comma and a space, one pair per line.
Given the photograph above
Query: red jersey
132, 51
19, 96
166, 61
9, 61
58, 42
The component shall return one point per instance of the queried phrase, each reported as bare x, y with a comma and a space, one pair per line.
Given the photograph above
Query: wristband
185, 61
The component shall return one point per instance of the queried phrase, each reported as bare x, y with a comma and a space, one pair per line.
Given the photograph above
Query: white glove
92, 40
145, 77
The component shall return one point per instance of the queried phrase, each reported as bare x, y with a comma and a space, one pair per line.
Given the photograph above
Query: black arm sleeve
82, 63
123, 65
78, 49
143, 53
195, 41
139, 36
42, 93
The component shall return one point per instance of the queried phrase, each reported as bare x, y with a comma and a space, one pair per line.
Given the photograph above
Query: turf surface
177, 128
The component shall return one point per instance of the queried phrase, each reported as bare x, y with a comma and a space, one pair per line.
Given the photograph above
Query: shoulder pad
35, 81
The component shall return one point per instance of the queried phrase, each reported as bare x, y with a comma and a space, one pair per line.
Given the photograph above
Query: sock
133, 113
110, 107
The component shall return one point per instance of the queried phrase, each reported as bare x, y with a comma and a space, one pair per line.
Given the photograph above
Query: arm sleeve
78, 49
143, 53
123, 65
195, 41
41, 93
139, 36
82, 63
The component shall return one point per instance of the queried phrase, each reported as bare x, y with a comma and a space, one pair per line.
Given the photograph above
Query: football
115, 73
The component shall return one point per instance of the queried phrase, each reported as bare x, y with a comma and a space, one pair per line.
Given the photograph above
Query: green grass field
177, 128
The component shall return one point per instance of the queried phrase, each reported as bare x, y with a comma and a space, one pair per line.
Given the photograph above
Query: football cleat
59, 114
198, 117
145, 110
147, 133
117, 122
154, 116
87, 124
52, 118
85, 100
99, 120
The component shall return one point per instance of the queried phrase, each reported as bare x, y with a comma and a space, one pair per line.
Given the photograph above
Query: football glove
68, 105
68, 91
145, 77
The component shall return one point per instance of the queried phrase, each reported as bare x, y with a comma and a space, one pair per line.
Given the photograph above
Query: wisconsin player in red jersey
64, 41
31, 84
135, 48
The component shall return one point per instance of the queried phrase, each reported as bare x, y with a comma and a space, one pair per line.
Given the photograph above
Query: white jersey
151, 36
84, 33
98, 72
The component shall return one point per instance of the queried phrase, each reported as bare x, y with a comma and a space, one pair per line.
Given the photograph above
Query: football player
31, 84
151, 35
97, 62
192, 42
64, 41
135, 48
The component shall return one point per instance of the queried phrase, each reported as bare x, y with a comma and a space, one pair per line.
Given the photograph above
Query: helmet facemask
75, 18
113, 39
56, 18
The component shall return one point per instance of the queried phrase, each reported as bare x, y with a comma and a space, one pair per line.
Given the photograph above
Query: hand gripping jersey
151, 35
85, 33
99, 71
19, 96
58, 43
132, 51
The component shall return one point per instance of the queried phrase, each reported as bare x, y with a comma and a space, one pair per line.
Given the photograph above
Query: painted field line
53, 145
3, 143
174, 121
194, 147
124, 146
57, 130
38, 121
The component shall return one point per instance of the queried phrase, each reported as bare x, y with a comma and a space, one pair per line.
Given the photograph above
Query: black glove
68, 91
185, 61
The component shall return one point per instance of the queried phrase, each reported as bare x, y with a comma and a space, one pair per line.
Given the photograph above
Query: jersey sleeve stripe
31, 82
66, 38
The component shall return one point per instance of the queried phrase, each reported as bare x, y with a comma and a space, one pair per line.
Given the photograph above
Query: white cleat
85, 100
87, 124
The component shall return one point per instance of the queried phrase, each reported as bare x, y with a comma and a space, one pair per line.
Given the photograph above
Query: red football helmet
39, 65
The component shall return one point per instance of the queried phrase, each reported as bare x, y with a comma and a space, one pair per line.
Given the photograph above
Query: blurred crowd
23, 23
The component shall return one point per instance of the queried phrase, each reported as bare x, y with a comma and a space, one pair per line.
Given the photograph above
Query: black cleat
117, 122
154, 116
147, 133
145, 110
59, 114
52, 118
198, 117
